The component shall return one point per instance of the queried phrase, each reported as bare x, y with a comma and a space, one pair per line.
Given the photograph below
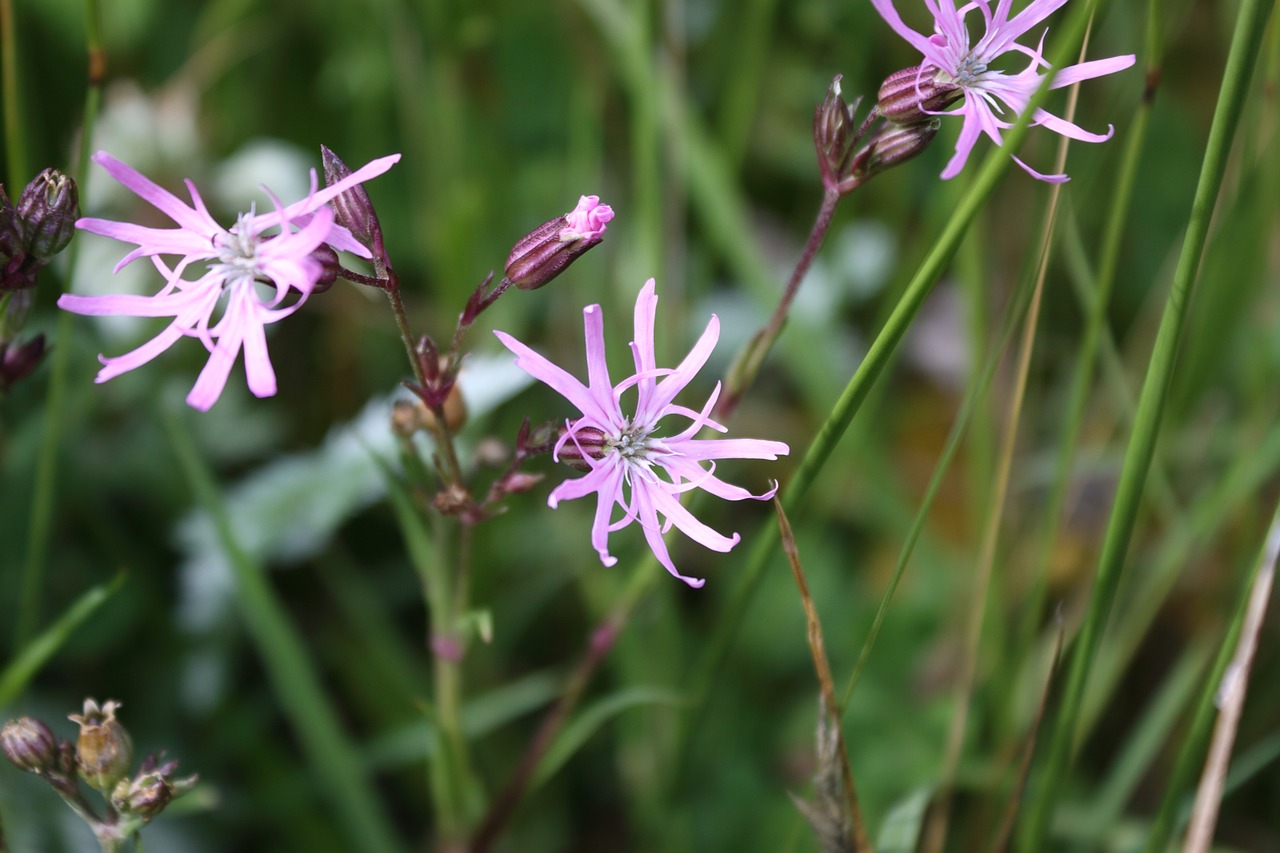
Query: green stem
1240, 61
45, 489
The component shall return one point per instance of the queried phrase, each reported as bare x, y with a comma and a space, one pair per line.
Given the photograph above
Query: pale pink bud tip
587, 221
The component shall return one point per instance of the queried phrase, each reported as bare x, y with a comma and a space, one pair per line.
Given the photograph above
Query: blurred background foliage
692, 118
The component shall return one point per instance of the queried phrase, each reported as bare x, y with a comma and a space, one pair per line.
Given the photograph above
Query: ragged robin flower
632, 463
990, 99
258, 271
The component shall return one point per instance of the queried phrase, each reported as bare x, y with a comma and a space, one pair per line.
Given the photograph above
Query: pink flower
587, 221
630, 465
252, 269
951, 59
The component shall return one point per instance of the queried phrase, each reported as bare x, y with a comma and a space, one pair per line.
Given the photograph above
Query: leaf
901, 829
591, 719
37, 653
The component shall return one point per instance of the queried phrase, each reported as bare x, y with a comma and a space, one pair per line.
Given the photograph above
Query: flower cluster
629, 463
252, 274
954, 65
100, 757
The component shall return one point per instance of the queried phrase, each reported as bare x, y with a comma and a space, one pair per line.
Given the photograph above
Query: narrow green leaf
589, 721
45, 645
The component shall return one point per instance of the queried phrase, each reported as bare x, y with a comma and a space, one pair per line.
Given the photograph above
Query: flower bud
146, 795
578, 444
545, 252
14, 272
29, 744
913, 95
46, 213
833, 131
18, 361
103, 750
352, 208
329, 265
898, 144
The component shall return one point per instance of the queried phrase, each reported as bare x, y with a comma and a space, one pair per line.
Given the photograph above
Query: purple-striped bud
578, 444
29, 744
913, 95
352, 208
899, 143
833, 132
46, 214
546, 251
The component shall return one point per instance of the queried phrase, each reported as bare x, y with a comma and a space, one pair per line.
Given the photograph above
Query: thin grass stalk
1137, 461
857, 829
1230, 701
878, 356
936, 831
1192, 751
966, 418
55, 410
334, 761
15, 142
1095, 323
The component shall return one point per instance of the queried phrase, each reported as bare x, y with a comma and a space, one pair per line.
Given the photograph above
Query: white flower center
969, 71
238, 252
632, 444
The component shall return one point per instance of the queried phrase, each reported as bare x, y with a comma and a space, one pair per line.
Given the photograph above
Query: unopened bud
578, 444
913, 95
898, 144
329, 266
352, 208
14, 272
46, 214
545, 252
103, 750
833, 131
29, 744
18, 361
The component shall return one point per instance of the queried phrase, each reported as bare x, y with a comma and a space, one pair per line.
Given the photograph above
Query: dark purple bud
18, 361
29, 744
46, 213
913, 95
428, 358
352, 208
331, 266
833, 131
546, 251
14, 271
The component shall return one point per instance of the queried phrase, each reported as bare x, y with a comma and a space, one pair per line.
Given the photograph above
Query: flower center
969, 70
238, 252
632, 444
